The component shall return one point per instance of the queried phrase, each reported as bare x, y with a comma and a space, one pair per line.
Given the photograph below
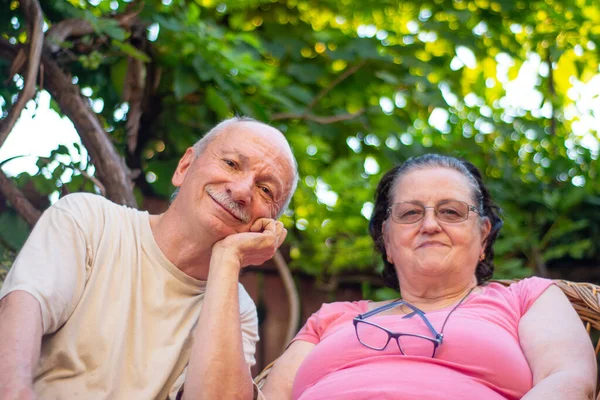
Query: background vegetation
357, 86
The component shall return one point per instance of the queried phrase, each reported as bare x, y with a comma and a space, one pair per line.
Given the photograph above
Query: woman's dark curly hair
486, 206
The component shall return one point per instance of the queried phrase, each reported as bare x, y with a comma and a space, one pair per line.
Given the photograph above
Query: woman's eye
229, 163
410, 213
448, 211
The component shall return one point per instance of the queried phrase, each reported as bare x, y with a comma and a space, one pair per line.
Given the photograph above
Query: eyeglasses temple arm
422, 315
380, 309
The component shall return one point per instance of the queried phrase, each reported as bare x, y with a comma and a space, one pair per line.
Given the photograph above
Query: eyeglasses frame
470, 208
437, 339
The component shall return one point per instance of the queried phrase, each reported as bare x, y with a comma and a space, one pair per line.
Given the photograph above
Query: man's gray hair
221, 127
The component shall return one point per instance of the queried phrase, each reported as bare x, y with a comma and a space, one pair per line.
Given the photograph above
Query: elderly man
127, 305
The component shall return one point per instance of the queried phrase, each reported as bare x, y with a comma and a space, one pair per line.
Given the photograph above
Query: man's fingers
263, 224
258, 225
278, 228
281, 237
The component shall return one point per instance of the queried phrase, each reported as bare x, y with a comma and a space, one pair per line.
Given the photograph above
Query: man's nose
240, 190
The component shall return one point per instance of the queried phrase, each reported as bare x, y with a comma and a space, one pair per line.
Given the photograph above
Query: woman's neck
429, 299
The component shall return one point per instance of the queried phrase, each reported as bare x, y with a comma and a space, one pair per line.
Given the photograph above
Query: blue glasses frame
436, 340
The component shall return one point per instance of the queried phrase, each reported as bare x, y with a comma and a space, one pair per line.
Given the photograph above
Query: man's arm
217, 368
20, 343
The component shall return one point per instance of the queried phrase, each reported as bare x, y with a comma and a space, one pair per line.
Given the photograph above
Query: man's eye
229, 163
267, 191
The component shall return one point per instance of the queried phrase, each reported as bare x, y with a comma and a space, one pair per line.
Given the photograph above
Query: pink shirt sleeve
326, 317
527, 291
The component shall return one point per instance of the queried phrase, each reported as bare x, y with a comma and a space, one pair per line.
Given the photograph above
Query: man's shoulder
80, 204
91, 211
75, 201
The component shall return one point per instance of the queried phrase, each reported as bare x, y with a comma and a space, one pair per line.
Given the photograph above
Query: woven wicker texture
585, 298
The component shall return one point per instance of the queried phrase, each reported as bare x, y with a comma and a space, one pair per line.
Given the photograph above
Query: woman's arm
281, 377
558, 349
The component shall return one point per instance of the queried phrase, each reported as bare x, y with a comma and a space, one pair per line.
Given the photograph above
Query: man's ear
183, 166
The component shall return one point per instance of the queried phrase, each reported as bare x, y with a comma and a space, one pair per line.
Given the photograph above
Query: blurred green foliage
357, 86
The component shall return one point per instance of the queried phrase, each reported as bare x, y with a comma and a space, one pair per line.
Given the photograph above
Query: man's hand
217, 368
253, 247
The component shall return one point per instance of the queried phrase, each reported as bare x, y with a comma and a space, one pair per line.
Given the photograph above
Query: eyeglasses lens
371, 336
416, 346
448, 211
411, 345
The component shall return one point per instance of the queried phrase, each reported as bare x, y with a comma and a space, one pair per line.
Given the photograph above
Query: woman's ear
486, 227
386, 240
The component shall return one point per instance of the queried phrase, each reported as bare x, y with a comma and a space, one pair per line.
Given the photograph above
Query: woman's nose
430, 221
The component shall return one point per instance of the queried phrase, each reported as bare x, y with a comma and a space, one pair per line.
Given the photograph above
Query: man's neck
190, 256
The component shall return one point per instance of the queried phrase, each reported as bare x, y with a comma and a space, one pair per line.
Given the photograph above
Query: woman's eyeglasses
450, 211
377, 337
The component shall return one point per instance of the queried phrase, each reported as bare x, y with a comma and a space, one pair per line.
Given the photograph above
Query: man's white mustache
226, 201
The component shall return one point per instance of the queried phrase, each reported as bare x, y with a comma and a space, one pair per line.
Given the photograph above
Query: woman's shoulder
330, 316
523, 293
343, 307
533, 283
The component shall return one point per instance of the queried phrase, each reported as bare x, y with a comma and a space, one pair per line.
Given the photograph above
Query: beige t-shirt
117, 315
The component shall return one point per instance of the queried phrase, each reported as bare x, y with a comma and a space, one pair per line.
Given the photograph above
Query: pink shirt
480, 357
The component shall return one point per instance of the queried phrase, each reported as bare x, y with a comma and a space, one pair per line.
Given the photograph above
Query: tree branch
133, 90
33, 15
319, 119
333, 84
316, 118
71, 28
552, 91
292, 292
110, 167
18, 200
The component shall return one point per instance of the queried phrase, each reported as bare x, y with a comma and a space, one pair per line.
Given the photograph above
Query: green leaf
387, 77
216, 102
204, 70
184, 83
306, 73
118, 72
13, 229
299, 93
131, 51
61, 149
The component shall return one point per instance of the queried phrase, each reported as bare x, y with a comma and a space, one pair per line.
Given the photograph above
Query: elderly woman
452, 336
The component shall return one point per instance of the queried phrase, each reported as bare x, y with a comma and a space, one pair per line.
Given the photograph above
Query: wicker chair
585, 298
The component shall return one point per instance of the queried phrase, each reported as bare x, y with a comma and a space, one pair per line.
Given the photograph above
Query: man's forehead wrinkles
241, 156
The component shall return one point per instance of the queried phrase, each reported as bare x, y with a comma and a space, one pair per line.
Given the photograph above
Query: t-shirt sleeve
528, 290
249, 320
328, 315
312, 329
51, 266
